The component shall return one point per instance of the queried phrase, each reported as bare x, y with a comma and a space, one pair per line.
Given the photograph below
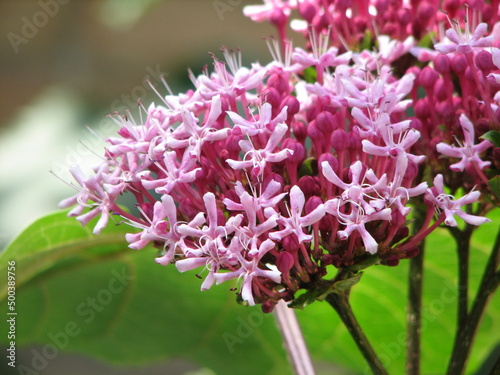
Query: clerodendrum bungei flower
266, 175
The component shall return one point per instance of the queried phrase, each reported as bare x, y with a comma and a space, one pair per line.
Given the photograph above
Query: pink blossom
468, 151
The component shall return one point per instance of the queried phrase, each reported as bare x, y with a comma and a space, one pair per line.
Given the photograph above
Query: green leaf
494, 184
493, 136
310, 75
162, 314
308, 167
346, 284
93, 295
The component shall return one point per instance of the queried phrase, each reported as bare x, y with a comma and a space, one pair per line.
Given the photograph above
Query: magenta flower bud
446, 111
411, 173
267, 306
309, 186
451, 6
389, 28
292, 104
312, 203
416, 124
404, 16
188, 209
440, 90
299, 151
339, 140
325, 122
391, 260
330, 159
428, 78
422, 109
124, 132
327, 223
459, 64
425, 12
313, 131
278, 18
307, 11
273, 176
290, 244
284, 262
279, 82
382, 5
484, 61
401, 234
442, 64
354, 144
299, 131
272, 96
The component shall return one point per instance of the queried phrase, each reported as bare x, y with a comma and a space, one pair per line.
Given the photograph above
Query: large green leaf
93, 295
69, 289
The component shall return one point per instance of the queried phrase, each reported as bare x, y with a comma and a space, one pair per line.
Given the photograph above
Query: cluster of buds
269, 174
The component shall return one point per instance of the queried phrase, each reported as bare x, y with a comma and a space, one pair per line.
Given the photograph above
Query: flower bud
458, 64
428, 78
299, 151
292, 104
309, 187
334, 164
440, 90
325, 122
279, 82
422, 109
187, 208
299, 131
272, 96
442, 64
484, 62
307, 11
290, 244
425, 11
312, 203
339, 140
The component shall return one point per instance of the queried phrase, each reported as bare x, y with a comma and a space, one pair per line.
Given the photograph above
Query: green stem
464, 339
415, 285
463, 250
340, 302
414, 314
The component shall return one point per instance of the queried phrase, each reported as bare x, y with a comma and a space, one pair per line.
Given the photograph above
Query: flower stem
415, 285
293, 339
340, 303
464, 339
463, 249
414, 313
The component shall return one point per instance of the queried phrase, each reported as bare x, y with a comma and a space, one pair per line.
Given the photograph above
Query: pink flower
469, 152
450, 206
250, 269
356, 220
296, 221
464, 42
258, 159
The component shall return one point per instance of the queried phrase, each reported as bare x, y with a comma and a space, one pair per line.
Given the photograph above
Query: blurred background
66, 64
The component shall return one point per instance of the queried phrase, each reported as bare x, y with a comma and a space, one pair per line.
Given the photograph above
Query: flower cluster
269, 174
